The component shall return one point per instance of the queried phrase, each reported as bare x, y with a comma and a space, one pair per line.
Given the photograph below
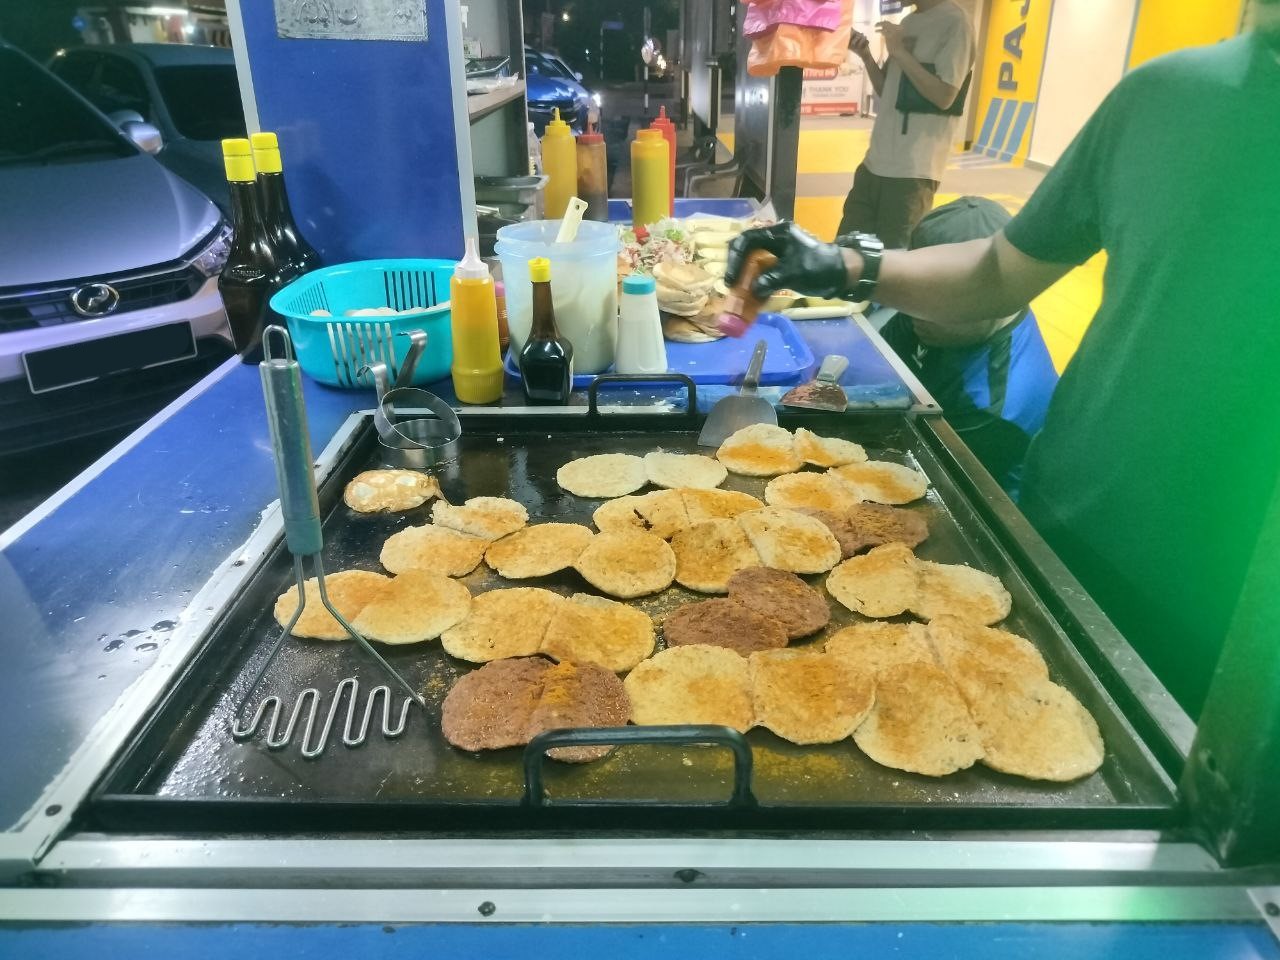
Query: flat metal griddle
183, 770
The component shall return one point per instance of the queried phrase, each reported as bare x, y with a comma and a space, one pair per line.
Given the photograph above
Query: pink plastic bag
763, 15
788, 45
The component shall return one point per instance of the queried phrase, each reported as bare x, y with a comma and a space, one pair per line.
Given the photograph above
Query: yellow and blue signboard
1016, 37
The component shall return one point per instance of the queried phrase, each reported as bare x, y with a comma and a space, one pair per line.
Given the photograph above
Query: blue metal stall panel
374, 133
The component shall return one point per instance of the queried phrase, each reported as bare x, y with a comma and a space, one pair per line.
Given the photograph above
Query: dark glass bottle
252, 273
546, 360
295, 255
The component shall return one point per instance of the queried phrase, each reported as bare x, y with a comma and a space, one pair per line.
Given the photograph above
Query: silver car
188, 92
109, 298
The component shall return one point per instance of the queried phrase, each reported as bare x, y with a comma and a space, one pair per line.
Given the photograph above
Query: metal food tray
182, 770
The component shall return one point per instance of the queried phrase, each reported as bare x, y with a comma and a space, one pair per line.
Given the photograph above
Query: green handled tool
299, 504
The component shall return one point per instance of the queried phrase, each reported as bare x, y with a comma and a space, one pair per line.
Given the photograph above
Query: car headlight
212, 257
597, 100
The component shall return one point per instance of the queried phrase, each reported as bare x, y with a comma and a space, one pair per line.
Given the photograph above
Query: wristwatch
871, 249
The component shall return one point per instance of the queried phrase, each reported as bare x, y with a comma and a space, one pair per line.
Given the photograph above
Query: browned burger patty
579, 695
490, 708
782, 597
506, 703
877, 524
867, 525
850, 540
723, 623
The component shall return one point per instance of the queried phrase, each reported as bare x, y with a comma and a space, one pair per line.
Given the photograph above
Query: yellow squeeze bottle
560, 164
650, 178
477, 362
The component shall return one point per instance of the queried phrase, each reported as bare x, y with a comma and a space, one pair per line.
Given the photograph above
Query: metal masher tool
306, 711
300, 507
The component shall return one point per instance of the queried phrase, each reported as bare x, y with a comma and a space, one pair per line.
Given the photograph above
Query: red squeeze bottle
593, 174
663, 123
740, 306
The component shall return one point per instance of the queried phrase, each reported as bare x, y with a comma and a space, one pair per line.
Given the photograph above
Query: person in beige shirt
933, 49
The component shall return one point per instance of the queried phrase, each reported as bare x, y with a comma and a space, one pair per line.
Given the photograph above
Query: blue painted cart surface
999, 941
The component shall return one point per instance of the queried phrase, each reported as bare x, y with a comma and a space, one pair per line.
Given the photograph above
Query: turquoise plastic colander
332, 349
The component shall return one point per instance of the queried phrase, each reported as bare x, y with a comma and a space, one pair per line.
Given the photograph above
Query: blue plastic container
788, 360
331, 349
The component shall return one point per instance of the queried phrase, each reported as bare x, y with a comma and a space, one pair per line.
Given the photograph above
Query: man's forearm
937, 91
876, 73
959, 282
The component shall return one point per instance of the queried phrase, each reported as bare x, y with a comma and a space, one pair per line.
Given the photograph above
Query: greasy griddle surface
189, 755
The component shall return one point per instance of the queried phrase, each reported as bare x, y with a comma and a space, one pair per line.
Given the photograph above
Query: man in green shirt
1161, 449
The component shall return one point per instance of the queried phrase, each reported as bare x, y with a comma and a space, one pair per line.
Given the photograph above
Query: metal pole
646, 66
784, 140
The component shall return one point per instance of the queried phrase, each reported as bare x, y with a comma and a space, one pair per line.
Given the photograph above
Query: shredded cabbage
667, 241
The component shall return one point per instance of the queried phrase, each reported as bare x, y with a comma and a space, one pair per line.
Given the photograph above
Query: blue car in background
551, 85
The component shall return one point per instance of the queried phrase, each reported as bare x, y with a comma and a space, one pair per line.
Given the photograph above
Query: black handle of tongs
751, 379
686, 735
637, 378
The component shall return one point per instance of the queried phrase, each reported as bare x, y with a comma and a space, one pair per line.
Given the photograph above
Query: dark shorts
889, 207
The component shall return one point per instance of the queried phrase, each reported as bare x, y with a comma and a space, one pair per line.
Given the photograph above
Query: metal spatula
731, 414
824, 392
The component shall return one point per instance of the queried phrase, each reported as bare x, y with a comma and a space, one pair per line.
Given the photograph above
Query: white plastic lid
471, 267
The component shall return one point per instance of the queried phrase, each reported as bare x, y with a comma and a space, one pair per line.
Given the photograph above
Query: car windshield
540, 65
203, 101
561, 69
42, 122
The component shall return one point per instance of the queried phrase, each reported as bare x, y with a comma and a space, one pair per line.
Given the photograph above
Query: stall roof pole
767, 131
1232, 779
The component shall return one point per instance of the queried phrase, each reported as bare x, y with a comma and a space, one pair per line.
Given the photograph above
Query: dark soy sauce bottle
546, 360
252, 273
295, 254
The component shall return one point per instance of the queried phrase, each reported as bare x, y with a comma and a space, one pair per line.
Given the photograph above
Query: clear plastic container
584, 286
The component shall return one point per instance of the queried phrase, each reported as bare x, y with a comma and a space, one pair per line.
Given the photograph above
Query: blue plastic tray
787, 361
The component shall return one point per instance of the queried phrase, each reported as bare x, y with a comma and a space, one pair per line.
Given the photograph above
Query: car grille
50, 305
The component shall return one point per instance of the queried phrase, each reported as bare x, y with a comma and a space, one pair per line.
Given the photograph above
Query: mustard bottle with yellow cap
546, 360
477, 362
560, 164
252, 273
650, 174
295, 254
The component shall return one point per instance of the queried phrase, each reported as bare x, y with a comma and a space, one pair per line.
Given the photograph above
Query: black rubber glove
805, 264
